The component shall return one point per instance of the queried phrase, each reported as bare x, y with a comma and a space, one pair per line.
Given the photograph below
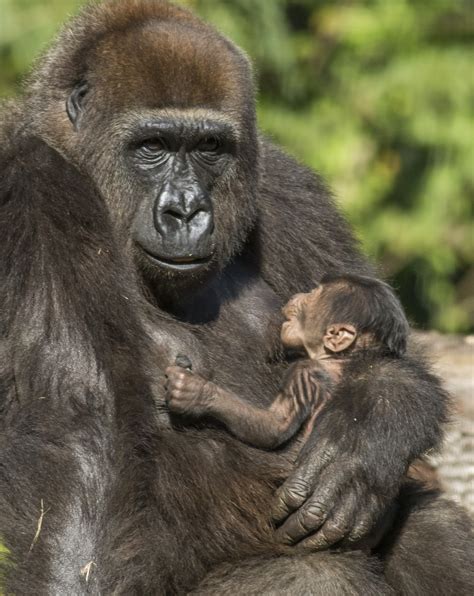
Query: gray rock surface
453, 359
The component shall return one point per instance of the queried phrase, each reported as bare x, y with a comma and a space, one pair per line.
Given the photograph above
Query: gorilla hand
342, 486
187, 392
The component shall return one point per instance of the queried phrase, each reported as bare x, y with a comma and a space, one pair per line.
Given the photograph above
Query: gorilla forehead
167, 64
148, 53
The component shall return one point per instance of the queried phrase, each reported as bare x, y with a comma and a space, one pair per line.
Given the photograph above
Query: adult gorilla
216, 227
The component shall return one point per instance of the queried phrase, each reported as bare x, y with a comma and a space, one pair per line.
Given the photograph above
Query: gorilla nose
182, 214
184, 221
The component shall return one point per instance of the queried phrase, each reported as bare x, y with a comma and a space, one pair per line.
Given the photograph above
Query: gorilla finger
361, 529
289, 497
299, 485
309, 518
303, 522
333, 531
370, 527
336, 528
179, 394
176, 372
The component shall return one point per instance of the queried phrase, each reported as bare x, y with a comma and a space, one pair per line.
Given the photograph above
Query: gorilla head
159, 109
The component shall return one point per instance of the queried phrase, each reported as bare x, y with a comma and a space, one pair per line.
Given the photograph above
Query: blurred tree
25, 27
378, 96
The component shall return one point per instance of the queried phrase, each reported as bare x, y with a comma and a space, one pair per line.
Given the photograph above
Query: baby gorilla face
295, 312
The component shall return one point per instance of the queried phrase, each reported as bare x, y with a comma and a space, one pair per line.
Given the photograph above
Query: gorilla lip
178, 263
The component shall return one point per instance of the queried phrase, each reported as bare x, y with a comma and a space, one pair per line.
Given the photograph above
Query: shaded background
377, 95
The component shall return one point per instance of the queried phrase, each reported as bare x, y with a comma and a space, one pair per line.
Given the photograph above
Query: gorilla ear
339, 337
74, 103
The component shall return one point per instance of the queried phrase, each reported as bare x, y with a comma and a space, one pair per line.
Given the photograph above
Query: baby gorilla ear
339, 337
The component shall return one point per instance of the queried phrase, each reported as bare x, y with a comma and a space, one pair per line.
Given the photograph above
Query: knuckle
333, 531
284, 537
280, 510
323, 540
316, 510
295, 494
337, 528
355, 536
326, 455
304, 522
317, 542
359, 532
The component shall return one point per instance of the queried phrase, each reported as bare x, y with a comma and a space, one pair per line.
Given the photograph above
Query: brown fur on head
122, 62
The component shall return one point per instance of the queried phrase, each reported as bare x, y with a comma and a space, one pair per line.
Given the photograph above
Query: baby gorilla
344, 320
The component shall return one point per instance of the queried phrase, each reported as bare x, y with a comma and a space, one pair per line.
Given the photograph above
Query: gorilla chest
237, 340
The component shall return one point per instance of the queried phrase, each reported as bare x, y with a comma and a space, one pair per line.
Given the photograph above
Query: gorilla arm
304, 392
301, 237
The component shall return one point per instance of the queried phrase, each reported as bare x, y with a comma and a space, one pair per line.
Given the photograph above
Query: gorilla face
180, 184
168, 134
178, 164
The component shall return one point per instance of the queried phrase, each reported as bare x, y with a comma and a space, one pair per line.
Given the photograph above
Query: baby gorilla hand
187, 392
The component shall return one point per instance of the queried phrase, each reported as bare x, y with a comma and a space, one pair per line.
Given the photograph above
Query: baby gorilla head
343, 312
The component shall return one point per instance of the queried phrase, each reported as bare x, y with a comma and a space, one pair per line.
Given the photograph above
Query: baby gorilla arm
302, 395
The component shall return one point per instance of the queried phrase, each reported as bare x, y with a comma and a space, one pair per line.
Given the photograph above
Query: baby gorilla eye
208, 145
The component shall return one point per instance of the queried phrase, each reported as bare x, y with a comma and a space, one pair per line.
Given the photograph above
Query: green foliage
3, 560
25, 27
377, 95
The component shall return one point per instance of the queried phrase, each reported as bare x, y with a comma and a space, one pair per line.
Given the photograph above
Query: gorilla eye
209, 144
153, 145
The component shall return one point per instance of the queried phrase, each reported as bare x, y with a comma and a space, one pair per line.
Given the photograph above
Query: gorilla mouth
179, 263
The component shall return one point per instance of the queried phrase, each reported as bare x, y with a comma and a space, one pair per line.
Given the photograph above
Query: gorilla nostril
186, 216
195, 213
175, 213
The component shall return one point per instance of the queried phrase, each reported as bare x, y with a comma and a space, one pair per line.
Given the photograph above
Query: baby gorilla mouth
185, 263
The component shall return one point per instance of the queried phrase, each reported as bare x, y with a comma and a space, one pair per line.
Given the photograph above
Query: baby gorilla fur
346, 320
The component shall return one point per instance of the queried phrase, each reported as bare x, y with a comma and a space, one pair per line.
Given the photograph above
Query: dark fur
150, 507
371, 306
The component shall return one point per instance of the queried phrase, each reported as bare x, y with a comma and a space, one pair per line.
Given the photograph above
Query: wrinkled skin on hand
334, 496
